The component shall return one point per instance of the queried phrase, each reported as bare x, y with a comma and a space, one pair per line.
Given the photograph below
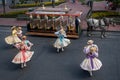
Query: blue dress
61, 40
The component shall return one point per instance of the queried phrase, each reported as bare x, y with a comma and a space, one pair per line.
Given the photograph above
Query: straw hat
90, 42
13, 27
19, 28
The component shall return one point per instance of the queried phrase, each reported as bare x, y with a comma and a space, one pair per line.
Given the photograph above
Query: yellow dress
12, 39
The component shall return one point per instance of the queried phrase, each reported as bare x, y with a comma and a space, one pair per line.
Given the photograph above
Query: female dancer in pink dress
25, 41
23, 56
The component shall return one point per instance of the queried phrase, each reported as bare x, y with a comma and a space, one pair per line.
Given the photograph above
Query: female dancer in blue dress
61, 41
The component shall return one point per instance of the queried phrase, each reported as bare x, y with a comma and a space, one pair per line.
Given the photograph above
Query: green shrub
36, 4
24, 5
13, 14
101, 14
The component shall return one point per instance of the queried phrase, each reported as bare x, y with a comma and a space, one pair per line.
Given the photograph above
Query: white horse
93, 24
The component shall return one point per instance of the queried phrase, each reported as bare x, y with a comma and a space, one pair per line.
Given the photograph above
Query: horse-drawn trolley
45, 21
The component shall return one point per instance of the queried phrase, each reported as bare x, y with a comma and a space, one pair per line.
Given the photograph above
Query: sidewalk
74, 6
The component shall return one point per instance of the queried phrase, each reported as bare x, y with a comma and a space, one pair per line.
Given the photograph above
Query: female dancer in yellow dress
12, 39
91, 63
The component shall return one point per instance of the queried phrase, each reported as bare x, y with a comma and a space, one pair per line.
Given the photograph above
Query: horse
101, 24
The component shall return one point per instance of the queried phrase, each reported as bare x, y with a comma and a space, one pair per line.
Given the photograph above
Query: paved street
46, 64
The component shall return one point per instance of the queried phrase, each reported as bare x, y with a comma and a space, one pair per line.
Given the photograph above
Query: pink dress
23, 56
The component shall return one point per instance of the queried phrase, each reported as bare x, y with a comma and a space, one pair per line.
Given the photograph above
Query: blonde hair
90, 42
13, 27
19, 28
93, 49
24, 37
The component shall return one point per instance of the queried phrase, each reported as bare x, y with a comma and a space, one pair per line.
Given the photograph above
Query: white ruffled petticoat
12, 39
20, 58
86, 64
58, 44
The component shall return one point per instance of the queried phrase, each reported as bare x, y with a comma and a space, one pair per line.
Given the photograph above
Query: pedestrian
81, 12
91, 63
81, 16
23, 56
61, 41
13, 38
73, 1
107, 5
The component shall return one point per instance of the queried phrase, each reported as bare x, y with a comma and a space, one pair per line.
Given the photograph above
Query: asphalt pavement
47, 64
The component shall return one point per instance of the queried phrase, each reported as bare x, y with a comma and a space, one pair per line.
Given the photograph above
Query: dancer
61, 41
91, 63
23, 56
25, 41
12, 39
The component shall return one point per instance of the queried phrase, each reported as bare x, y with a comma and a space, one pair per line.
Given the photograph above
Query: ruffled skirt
58, 44
12, 40
20, 58
86, 64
